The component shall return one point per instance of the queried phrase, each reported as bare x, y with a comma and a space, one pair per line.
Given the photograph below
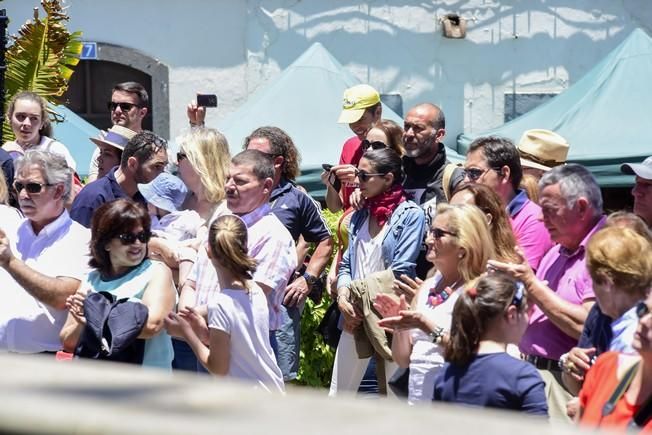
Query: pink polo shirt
567, 275
531, 235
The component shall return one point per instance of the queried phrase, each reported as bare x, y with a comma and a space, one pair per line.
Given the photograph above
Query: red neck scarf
382, 206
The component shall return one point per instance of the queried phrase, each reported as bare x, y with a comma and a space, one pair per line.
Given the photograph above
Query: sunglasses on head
438, 233
30, 187
364, 176
375, 145
125, 107
130, 238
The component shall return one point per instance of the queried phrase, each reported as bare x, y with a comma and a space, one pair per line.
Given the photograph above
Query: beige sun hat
117, 136
542, 149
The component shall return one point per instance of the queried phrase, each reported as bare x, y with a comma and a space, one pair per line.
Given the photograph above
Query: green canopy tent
603, 116
75, 133
305, 101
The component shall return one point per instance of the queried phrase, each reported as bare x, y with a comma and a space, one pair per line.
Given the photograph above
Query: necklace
437, 297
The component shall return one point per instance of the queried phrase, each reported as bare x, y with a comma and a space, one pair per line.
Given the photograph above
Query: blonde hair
208, 153
227, 240
472, 234
530, 183
4, 189
622, 256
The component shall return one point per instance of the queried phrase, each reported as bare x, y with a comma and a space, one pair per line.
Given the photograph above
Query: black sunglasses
130, 238
364, 176
30, 187
125, 107
474, 173
375, 145
438, 233
642, 309
181, 155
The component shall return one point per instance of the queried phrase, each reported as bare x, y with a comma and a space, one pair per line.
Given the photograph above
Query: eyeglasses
375, 145
130, 238
364, 176
642, 309
30, 187
474, 173
181, 155
125, 107
438, 233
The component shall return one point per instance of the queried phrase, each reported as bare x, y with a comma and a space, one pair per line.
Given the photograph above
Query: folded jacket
371, 337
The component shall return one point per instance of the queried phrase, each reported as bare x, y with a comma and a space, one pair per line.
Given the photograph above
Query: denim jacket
400, 246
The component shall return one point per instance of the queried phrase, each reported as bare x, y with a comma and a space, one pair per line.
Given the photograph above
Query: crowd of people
497, 283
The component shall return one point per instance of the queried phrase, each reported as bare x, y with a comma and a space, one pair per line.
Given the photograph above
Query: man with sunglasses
496, 163
128, 108
143, 159
44, 260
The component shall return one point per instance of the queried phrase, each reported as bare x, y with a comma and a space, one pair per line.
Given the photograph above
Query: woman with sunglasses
120, 231
202, 162
479, 371
384, 235
459, 245
620, 264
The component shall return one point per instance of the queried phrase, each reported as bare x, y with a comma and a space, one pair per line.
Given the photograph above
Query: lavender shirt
567, 275
531, 234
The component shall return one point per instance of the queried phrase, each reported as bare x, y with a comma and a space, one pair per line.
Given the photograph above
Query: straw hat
542, 149
117, 136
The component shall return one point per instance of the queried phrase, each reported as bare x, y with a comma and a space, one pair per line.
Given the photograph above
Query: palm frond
43, 56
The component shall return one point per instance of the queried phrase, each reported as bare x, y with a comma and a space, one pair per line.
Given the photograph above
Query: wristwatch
437, 335
310, 279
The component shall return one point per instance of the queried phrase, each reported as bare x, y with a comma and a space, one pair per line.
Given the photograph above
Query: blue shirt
93, 195
300, 214
494, 380
597, 331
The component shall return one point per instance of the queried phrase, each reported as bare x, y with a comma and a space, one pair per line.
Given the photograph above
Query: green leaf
42, 57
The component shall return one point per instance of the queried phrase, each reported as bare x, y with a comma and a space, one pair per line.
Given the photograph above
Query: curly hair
281, 144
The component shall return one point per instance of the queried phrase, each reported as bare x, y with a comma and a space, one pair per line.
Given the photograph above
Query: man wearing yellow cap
361, 108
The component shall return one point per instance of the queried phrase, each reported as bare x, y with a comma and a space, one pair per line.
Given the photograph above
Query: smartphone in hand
206, 100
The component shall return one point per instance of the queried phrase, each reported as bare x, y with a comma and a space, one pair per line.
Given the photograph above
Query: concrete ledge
39, 395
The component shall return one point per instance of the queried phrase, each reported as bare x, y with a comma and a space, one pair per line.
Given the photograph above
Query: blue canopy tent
305, 101
602, 116
75, 133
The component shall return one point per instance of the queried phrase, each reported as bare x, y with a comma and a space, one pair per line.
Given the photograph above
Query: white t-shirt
368, 252
177, 226
244, 315
46, 144
427, 358
60, 249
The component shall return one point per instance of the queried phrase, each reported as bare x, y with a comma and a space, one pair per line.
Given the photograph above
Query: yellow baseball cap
355, 101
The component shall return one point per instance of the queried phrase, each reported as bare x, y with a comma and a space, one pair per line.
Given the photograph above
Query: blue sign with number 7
89, 51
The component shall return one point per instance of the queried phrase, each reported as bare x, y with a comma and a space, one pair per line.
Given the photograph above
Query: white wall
232, 47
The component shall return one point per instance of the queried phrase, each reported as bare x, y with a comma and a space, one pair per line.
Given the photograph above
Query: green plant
42, 57
316, 357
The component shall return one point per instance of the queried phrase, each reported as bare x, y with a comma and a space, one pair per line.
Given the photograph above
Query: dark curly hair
281, 144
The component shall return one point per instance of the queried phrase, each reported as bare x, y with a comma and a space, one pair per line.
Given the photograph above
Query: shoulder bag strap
622, 386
